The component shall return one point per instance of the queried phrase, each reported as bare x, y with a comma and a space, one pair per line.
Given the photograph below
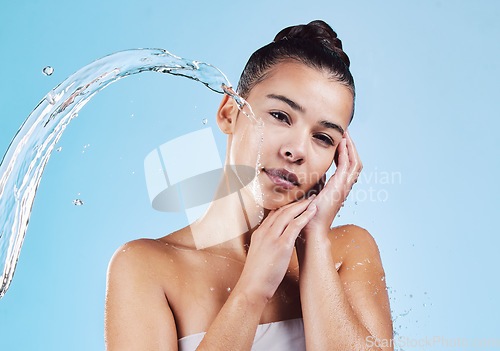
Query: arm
235, 325
267, 260
348, 309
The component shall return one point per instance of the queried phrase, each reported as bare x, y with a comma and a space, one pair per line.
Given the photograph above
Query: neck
231, 218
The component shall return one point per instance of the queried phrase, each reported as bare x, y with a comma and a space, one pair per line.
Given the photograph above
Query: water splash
407, 313
23, 164
243, 105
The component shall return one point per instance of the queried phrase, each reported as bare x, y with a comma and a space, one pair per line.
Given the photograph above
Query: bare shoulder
136, 247
137, 308
155, 257
134, 255
354, 246
351, 232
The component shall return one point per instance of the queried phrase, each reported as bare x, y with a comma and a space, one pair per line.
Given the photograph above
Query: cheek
321, 164
245, 145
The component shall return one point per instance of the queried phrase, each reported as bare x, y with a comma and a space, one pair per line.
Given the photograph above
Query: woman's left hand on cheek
332, 197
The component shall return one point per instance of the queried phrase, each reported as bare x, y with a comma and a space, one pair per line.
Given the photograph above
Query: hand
331, 196
271, 248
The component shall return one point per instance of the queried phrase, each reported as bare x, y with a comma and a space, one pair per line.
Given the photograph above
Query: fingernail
312, 196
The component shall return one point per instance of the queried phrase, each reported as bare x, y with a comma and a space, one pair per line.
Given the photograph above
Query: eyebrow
327, 124
299, 108
286, 100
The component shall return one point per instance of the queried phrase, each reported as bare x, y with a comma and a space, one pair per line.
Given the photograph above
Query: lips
283, 178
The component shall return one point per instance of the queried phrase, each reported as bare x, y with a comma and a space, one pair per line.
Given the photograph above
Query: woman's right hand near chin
267, 261
271, 249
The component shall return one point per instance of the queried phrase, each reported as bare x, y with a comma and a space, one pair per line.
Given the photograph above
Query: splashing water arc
24, 161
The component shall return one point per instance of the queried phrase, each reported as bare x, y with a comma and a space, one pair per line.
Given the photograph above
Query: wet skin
176, 290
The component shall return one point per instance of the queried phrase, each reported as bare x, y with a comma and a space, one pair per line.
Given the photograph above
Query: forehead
308, 87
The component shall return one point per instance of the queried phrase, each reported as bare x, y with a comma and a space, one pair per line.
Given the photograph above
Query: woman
278, 280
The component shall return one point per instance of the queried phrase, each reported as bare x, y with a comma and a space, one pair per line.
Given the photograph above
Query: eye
283, 117
325, 139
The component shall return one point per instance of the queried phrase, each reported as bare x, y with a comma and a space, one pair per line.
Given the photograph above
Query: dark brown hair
315, 45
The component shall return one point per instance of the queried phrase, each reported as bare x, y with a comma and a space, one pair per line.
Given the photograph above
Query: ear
226, 115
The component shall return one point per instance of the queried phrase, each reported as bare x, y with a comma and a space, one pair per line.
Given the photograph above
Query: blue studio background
425, 127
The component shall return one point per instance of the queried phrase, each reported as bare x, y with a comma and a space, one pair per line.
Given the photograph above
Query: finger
273, 215
343, 158
288, 215
293, 229
336, 156
355, 161
353, 152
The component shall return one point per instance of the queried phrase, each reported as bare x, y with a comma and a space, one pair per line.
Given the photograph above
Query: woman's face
304, 115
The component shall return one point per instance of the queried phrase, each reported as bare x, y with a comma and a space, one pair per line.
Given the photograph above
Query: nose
294, 150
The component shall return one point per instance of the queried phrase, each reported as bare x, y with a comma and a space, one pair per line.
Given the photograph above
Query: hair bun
317, 31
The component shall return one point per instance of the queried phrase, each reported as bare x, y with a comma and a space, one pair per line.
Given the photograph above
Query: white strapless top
287, 335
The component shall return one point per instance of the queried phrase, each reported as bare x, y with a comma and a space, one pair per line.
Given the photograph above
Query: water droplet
228, 289
355, 202
59, 149
77, 202
411, 295
48, 71
211, 289
204, 121
132, 115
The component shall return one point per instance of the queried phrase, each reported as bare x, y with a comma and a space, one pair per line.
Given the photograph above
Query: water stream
22, 166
